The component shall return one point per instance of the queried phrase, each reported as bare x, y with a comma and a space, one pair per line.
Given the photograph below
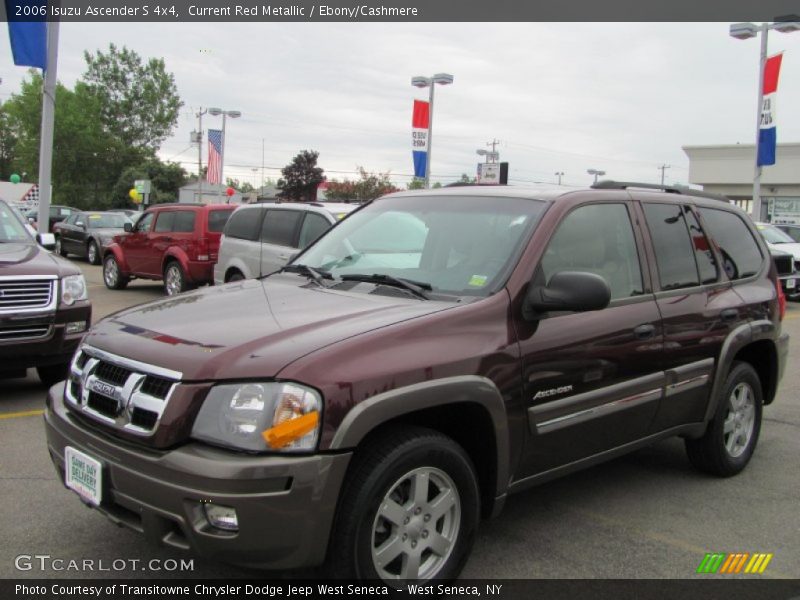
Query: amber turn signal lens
289, 431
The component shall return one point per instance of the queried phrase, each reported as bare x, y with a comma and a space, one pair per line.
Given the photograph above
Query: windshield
110, 220
773, 235
458, 245
11, 229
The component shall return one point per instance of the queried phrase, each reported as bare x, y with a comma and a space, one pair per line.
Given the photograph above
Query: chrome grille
784, 264
125, 394
27, 294
19, 333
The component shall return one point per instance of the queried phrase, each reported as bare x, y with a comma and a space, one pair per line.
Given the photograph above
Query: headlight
260, 417
73, 288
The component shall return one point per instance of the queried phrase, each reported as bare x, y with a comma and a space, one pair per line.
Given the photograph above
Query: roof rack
608, 184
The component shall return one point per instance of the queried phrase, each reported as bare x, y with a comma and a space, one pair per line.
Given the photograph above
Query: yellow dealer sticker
478, 280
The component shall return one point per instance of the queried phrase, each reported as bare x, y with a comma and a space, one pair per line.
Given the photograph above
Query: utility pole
663, 168
262, 164
559, 174
200, 155
494, 154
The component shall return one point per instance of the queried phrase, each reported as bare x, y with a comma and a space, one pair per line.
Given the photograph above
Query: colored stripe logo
734, 564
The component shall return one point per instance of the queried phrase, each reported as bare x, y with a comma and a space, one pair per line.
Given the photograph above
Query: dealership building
729, 169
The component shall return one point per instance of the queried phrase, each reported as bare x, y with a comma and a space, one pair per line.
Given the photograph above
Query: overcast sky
622, 98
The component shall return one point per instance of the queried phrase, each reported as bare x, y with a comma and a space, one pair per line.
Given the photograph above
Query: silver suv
261, 238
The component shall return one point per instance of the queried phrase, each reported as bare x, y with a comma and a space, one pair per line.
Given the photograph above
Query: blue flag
28, 37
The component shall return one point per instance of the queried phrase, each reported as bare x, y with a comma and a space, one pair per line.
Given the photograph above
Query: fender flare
737, 339
377, 410
178, 254
115, 249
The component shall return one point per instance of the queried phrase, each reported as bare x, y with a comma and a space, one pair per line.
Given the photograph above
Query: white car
261, 238
780, 240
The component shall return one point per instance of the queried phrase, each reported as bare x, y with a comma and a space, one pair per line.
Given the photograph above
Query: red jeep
177, 243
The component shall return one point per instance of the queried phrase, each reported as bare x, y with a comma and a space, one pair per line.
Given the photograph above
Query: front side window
143, 224
597, 238
11, 230
457, 245
313, 228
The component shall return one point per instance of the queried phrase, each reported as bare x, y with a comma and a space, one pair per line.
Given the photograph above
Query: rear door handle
644, 332
729, 314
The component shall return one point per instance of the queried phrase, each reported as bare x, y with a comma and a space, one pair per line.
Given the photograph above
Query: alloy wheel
739, 423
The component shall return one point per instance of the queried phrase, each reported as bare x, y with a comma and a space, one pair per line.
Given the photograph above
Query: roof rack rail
608, 184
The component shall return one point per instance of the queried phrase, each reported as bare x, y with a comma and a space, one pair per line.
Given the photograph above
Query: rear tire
409, 509
235, 276
93, 253
112, 275
52, 374
174, 279
732, 435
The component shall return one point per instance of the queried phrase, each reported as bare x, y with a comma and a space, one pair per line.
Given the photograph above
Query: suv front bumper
285, 504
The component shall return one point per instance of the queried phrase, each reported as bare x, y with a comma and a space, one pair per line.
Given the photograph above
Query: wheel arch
116, 251
468, 409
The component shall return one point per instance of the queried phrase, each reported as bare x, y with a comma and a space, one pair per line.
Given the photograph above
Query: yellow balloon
135, 195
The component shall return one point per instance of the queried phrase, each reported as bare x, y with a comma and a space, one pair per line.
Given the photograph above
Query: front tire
174, 279
52, 374
409, 509
732, 435
93, 253
112, 275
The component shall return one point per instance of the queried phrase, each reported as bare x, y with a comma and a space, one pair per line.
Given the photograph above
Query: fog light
76, 327
222, 517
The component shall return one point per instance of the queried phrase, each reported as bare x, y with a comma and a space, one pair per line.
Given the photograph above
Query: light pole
596, 173
559, 174
233, 114
423, 82
745, 31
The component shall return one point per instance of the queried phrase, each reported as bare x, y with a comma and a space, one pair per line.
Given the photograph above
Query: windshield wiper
415, 287
317, 276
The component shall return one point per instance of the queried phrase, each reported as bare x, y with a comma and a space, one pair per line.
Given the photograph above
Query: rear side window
280, 226
184, 221
164, 222
313, 227
706, 263
217, 220
243, 224
673, 246
741, 256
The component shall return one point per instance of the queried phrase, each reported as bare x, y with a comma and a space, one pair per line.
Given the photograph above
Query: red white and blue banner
419, 136
767, 137
214, 173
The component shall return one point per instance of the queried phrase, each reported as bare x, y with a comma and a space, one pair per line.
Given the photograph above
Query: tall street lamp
559, 174
233, 114
745, 31
423, 82
596, 173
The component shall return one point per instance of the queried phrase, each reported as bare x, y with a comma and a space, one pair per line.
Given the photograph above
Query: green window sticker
478, 280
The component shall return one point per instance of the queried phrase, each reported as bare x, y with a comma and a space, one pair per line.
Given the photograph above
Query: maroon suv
431, 354
176, 243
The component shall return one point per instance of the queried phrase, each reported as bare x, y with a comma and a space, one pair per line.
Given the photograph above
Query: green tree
416, 184
139, 102
8, 142
166, 179
368, 187
301, 177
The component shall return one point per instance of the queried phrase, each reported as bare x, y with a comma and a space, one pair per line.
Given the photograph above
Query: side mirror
576, 291
46, 240
128, 227
80, 224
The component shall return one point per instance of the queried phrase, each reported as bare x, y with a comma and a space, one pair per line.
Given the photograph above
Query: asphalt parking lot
647, 515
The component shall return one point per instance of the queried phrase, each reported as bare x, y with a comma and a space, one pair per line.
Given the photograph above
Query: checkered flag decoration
32, 197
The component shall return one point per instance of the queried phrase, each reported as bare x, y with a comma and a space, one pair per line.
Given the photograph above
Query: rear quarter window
741, 256
217, 219
243, 224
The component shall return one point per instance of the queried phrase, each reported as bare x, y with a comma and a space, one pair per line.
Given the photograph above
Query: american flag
214, 174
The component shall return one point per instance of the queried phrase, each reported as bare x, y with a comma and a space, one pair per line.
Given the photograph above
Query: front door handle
729, 314
644, 332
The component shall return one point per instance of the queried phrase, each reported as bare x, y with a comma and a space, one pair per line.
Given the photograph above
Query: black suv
371, 402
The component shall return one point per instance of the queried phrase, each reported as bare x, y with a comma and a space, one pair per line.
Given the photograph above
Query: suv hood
793, 249
248, 329
28, 258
